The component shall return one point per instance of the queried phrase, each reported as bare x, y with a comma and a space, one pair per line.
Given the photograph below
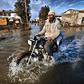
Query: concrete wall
71, 18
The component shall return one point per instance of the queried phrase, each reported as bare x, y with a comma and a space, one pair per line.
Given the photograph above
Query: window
82, 20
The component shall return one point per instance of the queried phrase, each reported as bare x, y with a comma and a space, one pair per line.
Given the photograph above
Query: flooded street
69, 67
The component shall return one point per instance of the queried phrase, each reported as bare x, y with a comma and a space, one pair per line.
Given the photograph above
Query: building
3, 21
80, 19
73, 17
9, 18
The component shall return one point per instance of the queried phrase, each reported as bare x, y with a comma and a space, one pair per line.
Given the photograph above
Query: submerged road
69, 67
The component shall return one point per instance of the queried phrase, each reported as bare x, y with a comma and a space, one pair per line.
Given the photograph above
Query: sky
59, 6
7, 4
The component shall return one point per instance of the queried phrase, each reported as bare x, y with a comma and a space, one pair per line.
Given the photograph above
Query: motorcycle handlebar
38, 37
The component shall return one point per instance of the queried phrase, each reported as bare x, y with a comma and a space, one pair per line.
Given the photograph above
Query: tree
22, 8
3, 12
44, 12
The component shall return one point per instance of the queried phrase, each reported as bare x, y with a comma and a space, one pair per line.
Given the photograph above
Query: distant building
37, 19
3, 21
6, 12
73, 17
10, 18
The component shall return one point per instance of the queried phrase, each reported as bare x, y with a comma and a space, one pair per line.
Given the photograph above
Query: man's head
51, 15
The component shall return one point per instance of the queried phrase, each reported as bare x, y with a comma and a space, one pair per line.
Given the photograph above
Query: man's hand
49, 38
37, 35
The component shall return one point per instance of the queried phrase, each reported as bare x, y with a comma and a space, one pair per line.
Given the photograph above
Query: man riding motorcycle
51, 31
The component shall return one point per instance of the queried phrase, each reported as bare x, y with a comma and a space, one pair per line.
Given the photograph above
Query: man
51, 31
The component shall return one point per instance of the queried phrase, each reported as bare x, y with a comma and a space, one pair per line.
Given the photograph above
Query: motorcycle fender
29, 42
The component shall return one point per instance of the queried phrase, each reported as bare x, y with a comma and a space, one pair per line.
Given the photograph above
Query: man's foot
49, 58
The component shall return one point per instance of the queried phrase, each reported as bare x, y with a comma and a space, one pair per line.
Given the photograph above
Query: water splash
69, 50
24, 72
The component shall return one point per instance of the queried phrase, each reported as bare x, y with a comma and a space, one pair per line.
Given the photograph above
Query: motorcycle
37, 49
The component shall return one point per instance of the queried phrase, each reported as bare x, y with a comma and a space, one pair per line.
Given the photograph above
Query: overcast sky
58, 6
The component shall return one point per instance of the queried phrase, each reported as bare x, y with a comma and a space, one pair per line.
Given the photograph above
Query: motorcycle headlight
36, 51
29, 42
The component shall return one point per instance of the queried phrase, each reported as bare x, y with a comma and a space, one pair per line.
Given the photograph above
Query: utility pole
25, 1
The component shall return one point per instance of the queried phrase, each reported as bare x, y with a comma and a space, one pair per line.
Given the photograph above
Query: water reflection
35, 30
72, 30
64, 74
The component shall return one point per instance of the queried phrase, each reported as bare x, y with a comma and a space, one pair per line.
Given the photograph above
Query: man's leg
48, 49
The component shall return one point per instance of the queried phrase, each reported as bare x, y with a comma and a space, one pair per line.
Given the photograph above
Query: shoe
49, 57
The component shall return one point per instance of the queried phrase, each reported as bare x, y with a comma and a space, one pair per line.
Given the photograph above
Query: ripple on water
69, 50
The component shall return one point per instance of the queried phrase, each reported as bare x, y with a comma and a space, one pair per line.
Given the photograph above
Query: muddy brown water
63, 73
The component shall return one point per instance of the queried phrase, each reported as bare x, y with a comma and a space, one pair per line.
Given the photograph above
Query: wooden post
26, 12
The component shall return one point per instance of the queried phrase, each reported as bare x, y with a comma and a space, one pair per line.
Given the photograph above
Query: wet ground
68, 69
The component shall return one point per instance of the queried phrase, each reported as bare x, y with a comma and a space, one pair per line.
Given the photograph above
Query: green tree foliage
44, 12
20, 9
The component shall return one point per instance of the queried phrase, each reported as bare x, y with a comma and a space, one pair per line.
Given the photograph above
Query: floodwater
67, 69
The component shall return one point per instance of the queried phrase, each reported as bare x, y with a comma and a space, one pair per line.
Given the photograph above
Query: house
11, 16
70, 16
73, 17
14, 19
3, 21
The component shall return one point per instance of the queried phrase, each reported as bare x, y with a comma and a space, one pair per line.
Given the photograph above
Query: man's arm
59, 24
42, 31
